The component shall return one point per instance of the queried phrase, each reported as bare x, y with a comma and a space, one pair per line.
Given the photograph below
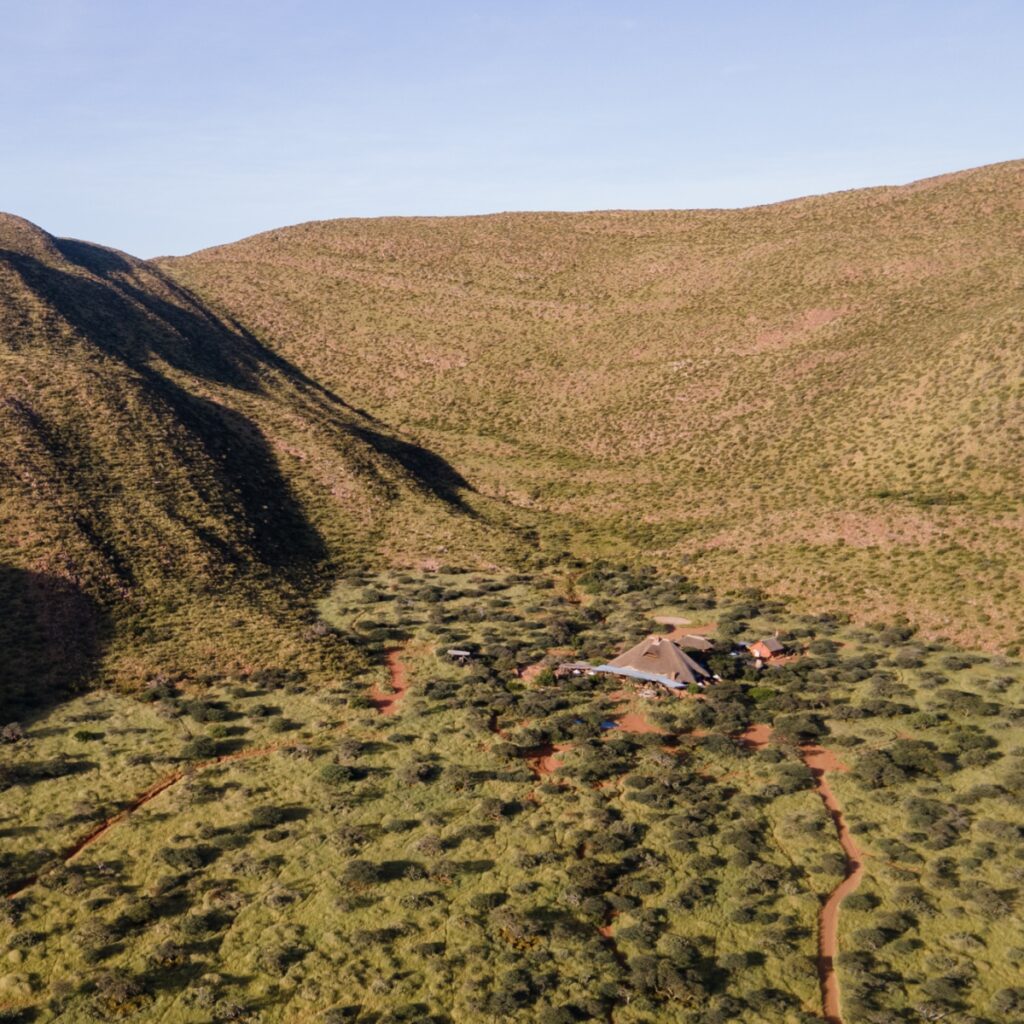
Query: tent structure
657, 660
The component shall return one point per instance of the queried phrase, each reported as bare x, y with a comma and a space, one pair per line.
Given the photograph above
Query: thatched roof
693, 642
657, 660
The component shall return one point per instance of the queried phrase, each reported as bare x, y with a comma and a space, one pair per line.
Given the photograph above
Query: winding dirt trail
388, 703
139, 801
820, 761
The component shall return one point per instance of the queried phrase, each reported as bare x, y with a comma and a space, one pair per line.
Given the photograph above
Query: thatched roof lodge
658, 660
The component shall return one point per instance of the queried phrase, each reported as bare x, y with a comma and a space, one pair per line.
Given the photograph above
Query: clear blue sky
161, 126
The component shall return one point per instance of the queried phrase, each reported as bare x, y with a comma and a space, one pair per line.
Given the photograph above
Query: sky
162, 128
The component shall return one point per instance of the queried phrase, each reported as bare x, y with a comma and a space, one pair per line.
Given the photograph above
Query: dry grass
170, 490
822, 396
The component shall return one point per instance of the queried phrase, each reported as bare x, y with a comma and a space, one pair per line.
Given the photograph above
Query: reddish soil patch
543, 760
756, 736
633, 721
388, 703
607, 933
821, 761
532, 671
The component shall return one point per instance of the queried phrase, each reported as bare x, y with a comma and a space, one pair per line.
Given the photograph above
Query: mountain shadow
52, 636
134, 312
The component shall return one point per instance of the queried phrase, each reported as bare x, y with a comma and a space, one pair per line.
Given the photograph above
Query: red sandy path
819, 761
387, 703
141, 800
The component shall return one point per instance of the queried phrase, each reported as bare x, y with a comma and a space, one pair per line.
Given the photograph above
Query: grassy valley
822, 396
492, 850
252, 498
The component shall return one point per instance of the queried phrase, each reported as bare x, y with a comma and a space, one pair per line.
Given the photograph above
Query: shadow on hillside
125, 315
52, 636
272, 522
428, 469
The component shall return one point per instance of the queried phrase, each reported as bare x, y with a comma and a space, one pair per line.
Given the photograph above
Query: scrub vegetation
250, 499
820, 397
421, 866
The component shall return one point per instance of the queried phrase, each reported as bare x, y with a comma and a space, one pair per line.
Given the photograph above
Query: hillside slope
822, 396
169, 488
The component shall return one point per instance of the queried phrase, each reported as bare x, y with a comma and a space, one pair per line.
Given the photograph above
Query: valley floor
461, 844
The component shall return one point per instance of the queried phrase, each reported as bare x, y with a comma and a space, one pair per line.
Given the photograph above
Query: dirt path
140, 801
820, 761
388, 703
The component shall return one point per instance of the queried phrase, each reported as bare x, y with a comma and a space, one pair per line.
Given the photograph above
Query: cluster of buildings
660, 661
672, 664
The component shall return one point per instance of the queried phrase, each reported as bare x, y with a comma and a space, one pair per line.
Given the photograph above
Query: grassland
171, 491
234, 488
415, 867
822, 397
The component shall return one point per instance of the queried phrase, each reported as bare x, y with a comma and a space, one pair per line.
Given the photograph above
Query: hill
821, 396
170, 488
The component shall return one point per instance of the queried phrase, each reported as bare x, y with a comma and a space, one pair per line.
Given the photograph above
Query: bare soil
633, 721
756, 736
388, 703
821, 761
543, 760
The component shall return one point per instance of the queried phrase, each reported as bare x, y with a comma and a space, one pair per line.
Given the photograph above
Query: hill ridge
159, 460
616, 373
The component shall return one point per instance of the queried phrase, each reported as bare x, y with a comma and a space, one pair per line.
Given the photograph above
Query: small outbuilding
767, 648
459, 656
573, 668
694, 642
